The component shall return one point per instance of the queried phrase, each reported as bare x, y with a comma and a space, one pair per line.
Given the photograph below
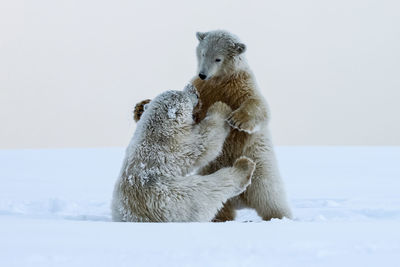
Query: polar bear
157, 184
224, 75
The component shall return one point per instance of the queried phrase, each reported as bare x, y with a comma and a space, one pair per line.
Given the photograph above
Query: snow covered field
54, 211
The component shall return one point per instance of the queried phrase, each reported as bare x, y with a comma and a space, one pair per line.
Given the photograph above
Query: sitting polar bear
157, 184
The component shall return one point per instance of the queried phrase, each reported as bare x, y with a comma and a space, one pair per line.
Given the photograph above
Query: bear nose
202, 76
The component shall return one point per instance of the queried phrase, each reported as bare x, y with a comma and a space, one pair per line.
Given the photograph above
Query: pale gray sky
71, 71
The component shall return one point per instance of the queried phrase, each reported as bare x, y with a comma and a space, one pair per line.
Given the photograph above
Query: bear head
170, 112
217, 53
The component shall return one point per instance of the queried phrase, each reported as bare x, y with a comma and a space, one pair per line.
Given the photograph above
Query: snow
54, 211
172, 113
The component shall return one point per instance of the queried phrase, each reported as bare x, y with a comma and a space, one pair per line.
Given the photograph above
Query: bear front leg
209, 135
215, 189
139, 109
249, 116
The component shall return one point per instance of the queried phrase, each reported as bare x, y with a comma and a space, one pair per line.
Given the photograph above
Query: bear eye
217, 60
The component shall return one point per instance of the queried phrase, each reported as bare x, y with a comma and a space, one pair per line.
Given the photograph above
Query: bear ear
201, 35
240, 48
145, 106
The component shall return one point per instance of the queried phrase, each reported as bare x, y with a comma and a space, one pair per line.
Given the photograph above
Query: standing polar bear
224, 75
156, 183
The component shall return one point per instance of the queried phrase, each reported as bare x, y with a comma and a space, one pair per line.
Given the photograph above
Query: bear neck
237, 69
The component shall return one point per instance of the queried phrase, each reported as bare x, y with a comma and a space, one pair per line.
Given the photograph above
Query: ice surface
55, 211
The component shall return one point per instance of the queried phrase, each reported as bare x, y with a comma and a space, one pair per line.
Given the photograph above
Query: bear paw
246, 167
242, 122
139, 109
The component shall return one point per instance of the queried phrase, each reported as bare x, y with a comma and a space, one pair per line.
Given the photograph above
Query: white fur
156, 183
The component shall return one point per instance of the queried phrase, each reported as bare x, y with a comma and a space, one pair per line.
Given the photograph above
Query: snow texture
172, 113
55, 211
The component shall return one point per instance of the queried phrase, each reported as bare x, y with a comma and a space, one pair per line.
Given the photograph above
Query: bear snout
202, 76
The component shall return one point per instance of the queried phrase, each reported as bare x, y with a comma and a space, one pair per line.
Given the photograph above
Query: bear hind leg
227, 213
266, 194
